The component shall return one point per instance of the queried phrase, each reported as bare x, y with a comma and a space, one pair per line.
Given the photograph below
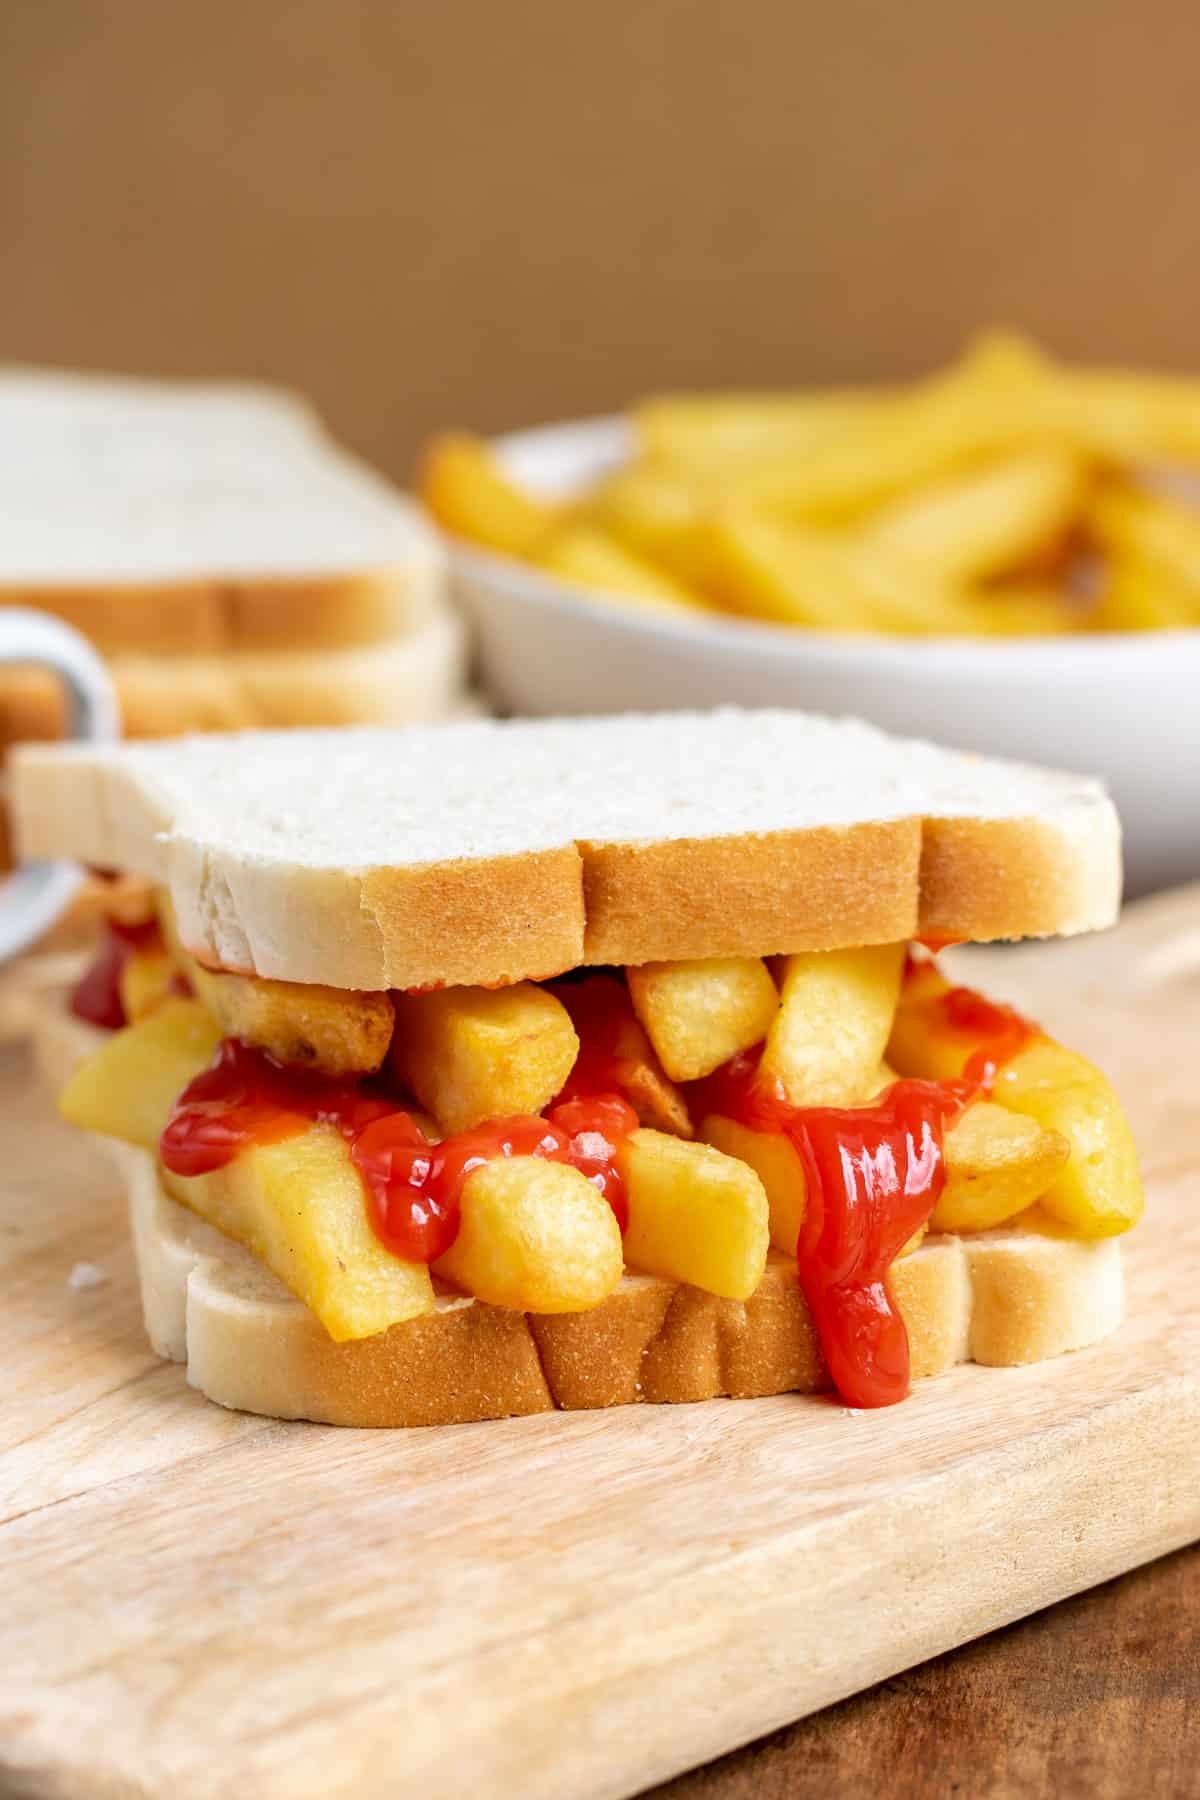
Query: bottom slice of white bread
1001, 1297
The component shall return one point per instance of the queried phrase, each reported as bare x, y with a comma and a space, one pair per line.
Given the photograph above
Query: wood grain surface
200, 1603
1097, 1698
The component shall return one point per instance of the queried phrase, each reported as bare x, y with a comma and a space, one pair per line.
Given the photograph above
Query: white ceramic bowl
1123, 706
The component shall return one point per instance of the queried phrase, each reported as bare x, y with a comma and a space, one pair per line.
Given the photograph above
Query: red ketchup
413, 1186
602, 1014
96, 996
873, 1176
994, 1033
997, 1032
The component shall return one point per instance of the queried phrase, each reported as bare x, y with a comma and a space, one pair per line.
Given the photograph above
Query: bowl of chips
1003, 556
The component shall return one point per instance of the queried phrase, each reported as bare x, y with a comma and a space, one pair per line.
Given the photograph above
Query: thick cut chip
473, 1054
997, 1164
985, 522
468, 492
536, 1236
694, 1214
323, 1028
699, 1014
147, 978
777, 1166
127, 1089
300, 1206
610, 1032
829, 1037
1098, 1191
588, 557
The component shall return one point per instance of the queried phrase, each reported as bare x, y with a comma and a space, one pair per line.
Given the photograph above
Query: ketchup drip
997, 1032
873, 1176
96, 996
413, 1185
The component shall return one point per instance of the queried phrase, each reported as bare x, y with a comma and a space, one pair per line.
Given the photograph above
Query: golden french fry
601, 1003
300, 1023
536, 1236
988, 521
1128, 416
699, 1014
1148, 529
914, 600
777, 1166
468, 492
1141, 595
657, 514
590, 558
986, 404
694, 1215
300, 1207
920, 1043
791, 574
472, 1054
127, 1088
1098, 1192
145, 981
1028, 609
998, 1163
836, 1011
771, 572
706, 430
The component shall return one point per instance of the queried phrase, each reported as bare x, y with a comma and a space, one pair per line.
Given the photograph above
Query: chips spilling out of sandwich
649, 1086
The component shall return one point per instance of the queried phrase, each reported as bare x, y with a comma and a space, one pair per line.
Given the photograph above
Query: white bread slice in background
1004, 1297
414, 677
490, 852
200, 517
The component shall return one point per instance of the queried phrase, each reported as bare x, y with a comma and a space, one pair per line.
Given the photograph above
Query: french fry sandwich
466, 1071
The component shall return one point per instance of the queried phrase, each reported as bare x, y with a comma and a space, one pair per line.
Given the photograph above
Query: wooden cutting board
197, 1603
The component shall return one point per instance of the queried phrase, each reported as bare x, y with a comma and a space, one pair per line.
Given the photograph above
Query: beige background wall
448, 210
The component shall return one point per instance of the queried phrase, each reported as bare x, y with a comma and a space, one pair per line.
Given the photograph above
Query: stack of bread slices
234, 565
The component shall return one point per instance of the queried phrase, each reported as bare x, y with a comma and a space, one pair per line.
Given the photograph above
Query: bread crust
213, 615
1005, 1297
946, 853
397, 681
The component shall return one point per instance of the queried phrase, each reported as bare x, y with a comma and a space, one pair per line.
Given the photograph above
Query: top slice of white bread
488, 852
115, 484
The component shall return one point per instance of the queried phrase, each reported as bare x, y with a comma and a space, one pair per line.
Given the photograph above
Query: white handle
32, 898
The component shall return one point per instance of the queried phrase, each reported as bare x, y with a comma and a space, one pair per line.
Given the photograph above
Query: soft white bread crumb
486, 851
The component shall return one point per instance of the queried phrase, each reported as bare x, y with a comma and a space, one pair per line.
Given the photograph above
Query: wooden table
167, 1565
1097, 1699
